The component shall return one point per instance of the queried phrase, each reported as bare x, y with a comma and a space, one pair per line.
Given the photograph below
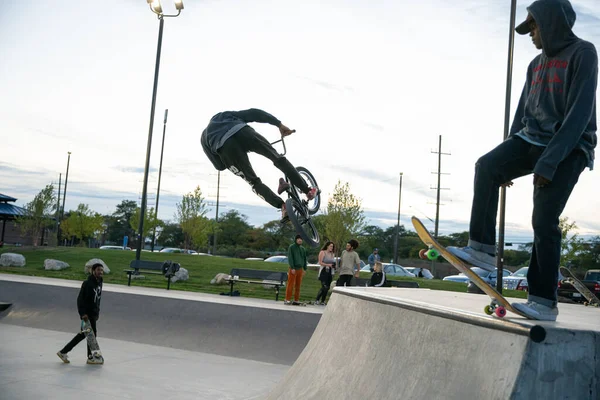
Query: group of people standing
347, 267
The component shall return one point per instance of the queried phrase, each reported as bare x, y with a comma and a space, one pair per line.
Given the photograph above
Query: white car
487, 276
516, 281
415, 271
284, 260
114, 248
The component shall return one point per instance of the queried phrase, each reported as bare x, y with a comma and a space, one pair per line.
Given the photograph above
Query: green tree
83, 223
571, 245
171, 235
233, 228
150, 221
191, 215
344, 218
119, 223
39, 212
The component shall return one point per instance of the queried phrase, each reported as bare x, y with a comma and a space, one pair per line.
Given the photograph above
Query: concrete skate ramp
254, 333
369, 348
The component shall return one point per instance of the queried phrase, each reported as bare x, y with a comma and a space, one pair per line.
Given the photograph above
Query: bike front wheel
300, 218
314, 204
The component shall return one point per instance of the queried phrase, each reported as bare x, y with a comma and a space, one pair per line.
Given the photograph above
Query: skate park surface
369, 343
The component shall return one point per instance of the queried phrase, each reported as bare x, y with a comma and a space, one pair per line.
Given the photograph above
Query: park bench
390, 283
165, 268
276, 279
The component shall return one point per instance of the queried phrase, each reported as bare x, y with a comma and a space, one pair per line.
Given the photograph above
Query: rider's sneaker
312, 193
283, 186
474, 257
284, 216
537, 311
287, 303
64, 357
295, 303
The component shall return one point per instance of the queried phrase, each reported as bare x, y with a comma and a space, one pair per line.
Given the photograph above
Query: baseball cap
523, 28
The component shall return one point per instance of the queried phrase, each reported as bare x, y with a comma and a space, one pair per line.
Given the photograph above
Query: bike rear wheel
314, 204
301, 220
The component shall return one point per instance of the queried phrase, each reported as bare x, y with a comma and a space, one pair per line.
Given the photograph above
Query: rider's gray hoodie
557, 108
224, 125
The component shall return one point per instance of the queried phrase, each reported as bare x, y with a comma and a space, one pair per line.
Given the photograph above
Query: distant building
10, 231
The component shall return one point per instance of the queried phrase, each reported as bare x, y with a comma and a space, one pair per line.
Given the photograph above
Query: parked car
277, 259
114, 248
415, 271
391, 269
517, 280
181, 251
488, 276
284, 260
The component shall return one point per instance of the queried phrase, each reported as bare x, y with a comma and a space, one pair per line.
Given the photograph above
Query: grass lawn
201, 270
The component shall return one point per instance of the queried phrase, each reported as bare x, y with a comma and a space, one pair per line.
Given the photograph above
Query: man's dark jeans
512, 159
78, 338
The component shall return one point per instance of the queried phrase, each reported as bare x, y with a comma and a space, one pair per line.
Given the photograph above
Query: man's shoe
95, 360
64, 357
283, 186
537, 311
474, 257
287, 303
312, 193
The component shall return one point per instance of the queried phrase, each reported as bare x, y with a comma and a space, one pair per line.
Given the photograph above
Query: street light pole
157, 9
398, 224
159, 175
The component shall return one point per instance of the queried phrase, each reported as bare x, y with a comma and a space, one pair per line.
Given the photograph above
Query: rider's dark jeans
234, 154
78, 338
512, 159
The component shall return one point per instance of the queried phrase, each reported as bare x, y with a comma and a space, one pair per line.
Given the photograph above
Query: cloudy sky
369, 85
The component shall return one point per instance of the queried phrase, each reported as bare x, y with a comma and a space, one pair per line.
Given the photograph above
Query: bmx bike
300, 210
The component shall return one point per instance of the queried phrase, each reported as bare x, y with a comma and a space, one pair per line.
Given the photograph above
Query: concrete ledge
422, 344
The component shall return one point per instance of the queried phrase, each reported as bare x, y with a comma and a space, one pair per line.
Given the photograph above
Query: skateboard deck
592, 300
86, 329
499, 304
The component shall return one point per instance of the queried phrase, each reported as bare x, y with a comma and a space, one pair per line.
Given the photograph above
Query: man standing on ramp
553, 136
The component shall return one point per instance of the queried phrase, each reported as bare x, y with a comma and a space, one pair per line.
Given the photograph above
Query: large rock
55, 265
220, 279
12, 260
181, 275
88, 266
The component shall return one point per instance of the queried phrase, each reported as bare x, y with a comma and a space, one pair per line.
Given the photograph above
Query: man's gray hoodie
557, 108
224, 125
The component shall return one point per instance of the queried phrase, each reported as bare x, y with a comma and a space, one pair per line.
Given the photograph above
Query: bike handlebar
282, 142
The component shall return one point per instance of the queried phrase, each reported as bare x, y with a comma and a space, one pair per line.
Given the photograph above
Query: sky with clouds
369, 85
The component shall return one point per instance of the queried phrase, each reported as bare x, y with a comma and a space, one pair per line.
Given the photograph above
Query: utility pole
62, 212
58, 210
159, 175
502, 206
216, 214
398, 223
439, 188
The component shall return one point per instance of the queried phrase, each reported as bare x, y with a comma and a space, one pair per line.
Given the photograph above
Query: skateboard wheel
500, 311
432, 254
488, 310
423, 254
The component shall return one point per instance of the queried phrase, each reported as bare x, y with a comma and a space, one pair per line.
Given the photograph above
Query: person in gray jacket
553, 136
227, 140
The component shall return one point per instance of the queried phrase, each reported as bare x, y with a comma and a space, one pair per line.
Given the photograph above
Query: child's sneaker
537, 311
312, 193
64, 357
283, 186
94, 360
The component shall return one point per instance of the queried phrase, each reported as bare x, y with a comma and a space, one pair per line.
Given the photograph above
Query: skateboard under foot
498, 306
